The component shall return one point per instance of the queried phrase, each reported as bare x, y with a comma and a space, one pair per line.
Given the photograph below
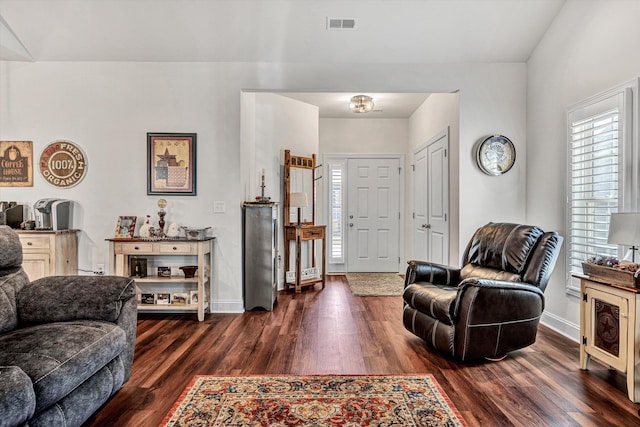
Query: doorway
365, 212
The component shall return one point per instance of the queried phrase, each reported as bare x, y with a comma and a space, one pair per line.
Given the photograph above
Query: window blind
594, 158
336, 232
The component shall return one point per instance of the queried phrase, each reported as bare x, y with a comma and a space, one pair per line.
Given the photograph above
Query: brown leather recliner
493, 304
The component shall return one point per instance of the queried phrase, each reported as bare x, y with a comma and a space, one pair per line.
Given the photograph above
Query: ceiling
386, 31
336, 104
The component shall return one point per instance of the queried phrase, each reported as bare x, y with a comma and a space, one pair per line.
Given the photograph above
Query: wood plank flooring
329, 331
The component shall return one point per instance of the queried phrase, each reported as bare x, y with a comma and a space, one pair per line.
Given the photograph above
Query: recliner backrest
513, 252
12, 277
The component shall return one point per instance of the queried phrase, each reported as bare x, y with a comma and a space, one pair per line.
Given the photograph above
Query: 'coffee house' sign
16, 164
63, 164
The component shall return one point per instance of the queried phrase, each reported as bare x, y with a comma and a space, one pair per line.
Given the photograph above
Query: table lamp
624, 229
298, 200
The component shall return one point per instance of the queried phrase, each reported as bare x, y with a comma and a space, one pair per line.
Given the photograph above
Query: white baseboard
227, 307
562, 326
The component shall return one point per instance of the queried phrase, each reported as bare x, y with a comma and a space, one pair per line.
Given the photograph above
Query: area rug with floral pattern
314, 400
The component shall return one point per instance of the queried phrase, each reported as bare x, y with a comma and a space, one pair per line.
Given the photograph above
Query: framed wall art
125, 227
171, 164
16, 164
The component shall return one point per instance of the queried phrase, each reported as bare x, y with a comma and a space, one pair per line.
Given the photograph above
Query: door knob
350, 216
350, 224
426, 226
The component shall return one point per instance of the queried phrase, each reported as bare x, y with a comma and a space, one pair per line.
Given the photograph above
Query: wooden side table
610, 328
298, 234
198, 252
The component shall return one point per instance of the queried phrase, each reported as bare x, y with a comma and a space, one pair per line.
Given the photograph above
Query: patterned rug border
462, 422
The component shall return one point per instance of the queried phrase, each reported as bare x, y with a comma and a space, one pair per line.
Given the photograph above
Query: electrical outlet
99, 271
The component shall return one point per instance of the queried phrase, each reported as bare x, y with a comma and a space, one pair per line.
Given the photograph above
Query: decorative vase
189, 270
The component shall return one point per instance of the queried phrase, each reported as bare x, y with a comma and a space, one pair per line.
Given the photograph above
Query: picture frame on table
171, 164
147, 298
180, 298
125, 227
164, 272
138, 267
163, 298
193, 297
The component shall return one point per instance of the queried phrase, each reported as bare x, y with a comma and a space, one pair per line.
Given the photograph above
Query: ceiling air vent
341, 23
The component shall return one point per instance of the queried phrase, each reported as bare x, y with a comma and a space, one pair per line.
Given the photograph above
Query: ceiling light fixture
361, 104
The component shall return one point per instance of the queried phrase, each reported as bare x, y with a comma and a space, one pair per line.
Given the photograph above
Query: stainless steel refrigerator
260, 255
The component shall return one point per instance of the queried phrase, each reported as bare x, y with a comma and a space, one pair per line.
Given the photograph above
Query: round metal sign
63, 164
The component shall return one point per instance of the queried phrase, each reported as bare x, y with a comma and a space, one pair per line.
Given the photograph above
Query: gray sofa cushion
11, 254
75, 408
9, 285
58, 357
85, 297
17, 398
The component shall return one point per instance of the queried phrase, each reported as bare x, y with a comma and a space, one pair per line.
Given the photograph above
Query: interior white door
373, 206
431, 201
420, 231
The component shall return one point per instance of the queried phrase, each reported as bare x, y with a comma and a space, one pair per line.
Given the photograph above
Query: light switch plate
219, 207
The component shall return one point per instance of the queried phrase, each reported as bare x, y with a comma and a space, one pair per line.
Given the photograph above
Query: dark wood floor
329, 331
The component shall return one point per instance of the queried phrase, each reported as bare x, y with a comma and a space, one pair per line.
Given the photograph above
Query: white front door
431, 201
373, 215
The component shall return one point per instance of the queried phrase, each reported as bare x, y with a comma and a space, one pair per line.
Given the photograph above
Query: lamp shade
624, 229
298, 200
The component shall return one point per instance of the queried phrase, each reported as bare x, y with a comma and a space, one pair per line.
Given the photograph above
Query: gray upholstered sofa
66, 342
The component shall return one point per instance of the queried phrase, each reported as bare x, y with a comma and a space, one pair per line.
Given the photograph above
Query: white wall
363, 136
107, 109
437, 113
591, 47
278, 124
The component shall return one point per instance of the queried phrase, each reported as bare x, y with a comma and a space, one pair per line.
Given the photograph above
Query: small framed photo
125, 227
147, 298
193, 297
164, 271
180, 298
163, 299
138, 267
171, 164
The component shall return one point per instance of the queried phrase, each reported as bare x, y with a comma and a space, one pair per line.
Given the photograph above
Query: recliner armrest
422, 271
499, 299
64, 298
17, 397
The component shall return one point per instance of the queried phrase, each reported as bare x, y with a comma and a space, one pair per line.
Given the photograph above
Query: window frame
625, 98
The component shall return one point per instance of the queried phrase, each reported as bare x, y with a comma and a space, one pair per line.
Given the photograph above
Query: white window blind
594, 159
336, 226
602, 163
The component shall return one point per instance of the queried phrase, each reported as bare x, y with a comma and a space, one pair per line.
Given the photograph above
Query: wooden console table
298, 234
610, 328
182, 251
